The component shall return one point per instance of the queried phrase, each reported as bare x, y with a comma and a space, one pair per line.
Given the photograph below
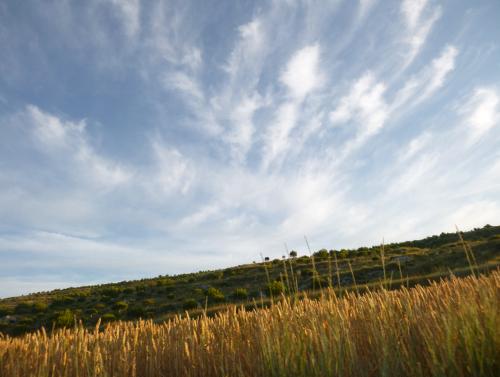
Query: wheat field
450, 328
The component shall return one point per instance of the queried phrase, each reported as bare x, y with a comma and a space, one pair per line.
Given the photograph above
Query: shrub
108, 317
111, 291
166, 308
240, 293
189, 304
120, 305
141, 289
275, 288
91, 312
318, 282
303, 259
323, 253
106, 299
198, 291
99, 306
216, 275
80, 296
128, 290
65, 319
364, 251
307, 272
60, 301
215, 294
5, 310
230, 272
164, 282
149, 302
23, 308
136, 311
39, 307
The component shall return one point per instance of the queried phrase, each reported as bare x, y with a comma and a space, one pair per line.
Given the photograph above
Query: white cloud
302, 74
248, 50
238, 99
419, 22
364, 104
415, 146
52, 131
240, 135
476, 214
68, 141
441, 67
198, 217
310, 202
365, 6
185, 84
427, 82
101, 170
172, 174
277, 141
414, 175
482, 112
130, 11
412, 11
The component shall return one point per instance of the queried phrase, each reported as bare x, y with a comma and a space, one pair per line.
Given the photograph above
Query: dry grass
447, 329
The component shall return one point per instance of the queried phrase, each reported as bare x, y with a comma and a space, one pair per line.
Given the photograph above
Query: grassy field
448, 328
164, 297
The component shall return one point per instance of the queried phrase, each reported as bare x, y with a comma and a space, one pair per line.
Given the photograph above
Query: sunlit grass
446, 329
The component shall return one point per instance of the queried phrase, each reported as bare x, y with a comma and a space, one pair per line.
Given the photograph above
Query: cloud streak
180, 136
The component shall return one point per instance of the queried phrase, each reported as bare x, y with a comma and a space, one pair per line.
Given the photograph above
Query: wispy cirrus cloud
69, 139
481, 112
419, 18
192, 136
301, 77
130, 11
428, 81
364, 104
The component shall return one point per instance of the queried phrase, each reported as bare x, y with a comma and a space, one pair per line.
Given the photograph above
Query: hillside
405, 263
447, 329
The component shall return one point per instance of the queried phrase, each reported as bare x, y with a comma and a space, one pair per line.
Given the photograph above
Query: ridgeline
256, 284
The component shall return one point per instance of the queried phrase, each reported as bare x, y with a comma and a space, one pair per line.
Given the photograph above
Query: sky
140, 138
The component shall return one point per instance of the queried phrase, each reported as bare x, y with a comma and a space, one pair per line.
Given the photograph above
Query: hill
207, 292
449, 328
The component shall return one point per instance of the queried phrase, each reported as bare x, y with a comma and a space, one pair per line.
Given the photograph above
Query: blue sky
146, 138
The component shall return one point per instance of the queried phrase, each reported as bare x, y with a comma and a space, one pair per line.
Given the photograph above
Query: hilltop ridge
404, 263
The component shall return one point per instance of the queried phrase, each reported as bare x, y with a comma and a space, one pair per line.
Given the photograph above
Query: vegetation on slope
406, 263
445, 329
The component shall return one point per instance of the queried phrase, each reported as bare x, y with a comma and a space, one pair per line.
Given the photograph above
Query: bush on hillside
120, 306
108, 317
189, 304
149, 302
136, 311
275, 288
40, 307
23, 308
5, 310
240, 293
65, 319
215, 295
321, 254
61, 301
112, 292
